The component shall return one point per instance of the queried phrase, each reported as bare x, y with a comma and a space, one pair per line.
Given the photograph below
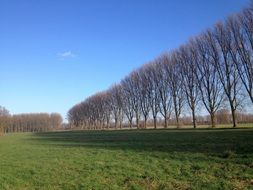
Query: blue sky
55, 53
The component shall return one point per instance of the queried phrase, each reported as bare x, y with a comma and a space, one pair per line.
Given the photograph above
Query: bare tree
4, 111
56, 120
32, 122
163, 87
241, 28
209, 68
209, 84
221, 48
128, 102
189, 80
107, 108
4, 119
173, 70
116, 104
153, 80
145, 92
131, 85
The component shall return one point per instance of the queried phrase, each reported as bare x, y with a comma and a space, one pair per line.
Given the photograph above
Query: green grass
240, 125
128, 159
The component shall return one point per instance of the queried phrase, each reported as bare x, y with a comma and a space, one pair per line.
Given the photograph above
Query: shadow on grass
194, 141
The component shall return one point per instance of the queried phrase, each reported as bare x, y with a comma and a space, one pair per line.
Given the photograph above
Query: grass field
128, 159
240, 125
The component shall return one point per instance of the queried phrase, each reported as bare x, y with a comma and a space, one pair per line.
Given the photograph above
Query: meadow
128, 159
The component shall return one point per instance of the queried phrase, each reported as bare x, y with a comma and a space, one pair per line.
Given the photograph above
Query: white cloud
66, 54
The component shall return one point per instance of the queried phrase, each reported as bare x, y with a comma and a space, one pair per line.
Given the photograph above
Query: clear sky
55, 53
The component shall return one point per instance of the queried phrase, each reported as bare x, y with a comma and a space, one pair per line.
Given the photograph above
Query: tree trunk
155, 122
212, 115
234, 117
131, 123
120, 124
137, 121
176, 110
177, 119
116, 123
145, 123
165, 119
107, 123
194, 119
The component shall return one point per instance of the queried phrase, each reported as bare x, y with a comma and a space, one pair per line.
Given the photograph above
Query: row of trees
211, 71
34, 122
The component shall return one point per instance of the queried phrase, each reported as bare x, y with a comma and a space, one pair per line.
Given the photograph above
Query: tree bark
234, 117
155, 122
194, 119
212, 115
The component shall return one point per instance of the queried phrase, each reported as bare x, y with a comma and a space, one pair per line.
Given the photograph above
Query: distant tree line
34, 122
211, 71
